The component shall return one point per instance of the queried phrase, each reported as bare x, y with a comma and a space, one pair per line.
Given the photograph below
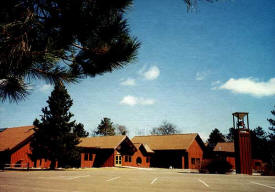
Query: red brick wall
109, 161
194, 151
182, 162
258, 165
87, 163
231, 160
134, 157
101, 158
22, 155
44, 164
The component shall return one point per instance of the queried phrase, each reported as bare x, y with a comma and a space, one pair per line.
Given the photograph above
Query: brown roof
12, 137
225, 147
167, 142
103, 142
145, 146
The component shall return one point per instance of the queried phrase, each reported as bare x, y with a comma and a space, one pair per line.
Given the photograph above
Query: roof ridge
25, 126
105, 136
124, 137
167, 135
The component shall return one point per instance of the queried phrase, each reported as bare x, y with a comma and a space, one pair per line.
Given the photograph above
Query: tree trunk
52, 165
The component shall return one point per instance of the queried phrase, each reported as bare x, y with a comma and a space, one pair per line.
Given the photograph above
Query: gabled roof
167, 142
225, 147
145, 146
102, 142
12, 137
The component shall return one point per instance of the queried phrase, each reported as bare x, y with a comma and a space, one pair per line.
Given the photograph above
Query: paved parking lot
128, 179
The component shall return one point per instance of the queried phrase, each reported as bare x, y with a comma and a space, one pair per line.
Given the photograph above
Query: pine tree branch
79, 46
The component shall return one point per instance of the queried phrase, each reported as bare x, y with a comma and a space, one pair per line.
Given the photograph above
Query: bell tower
242, 143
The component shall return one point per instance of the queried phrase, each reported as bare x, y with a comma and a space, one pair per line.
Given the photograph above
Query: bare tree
165, 128
121, 130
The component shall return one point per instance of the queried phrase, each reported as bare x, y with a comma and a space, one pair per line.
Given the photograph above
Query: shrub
218, 166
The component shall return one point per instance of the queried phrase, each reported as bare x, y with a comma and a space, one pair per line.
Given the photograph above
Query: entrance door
118, 160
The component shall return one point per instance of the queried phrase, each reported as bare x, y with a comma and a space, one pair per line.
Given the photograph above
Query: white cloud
45, 88
144, 101
201, 75
131, 100
142, 70
216, 83
129, 82
152, 73
250, 86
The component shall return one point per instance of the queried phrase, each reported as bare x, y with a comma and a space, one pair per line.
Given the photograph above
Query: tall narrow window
198, 161
86, 156
126, 158
193, 161
90, 157
130, 159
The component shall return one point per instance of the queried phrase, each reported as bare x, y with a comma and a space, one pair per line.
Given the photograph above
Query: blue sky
194, 69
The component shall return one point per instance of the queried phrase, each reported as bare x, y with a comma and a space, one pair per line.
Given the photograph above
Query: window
86, 156
147, 159
198, 161
193, 161
91, 157
128, 158
18, 163
139, 160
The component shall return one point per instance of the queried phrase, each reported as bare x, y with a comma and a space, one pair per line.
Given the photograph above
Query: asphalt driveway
129, 179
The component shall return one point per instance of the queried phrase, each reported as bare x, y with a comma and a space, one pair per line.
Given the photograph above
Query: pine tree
215, 137
272, 128
272, 141
105, 128
80, 131
230, 135
259, 142
64, 40
54, 138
